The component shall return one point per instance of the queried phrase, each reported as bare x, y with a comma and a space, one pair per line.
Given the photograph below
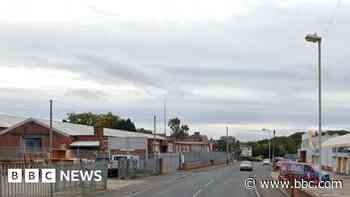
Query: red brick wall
98, 136
14, 137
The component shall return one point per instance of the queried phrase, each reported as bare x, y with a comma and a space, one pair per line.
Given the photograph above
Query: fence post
105, 170
2, 175
160, 165
51, 184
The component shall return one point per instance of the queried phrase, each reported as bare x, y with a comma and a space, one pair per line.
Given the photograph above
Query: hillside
284, 144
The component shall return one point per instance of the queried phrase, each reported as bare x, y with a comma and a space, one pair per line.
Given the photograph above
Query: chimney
98, 132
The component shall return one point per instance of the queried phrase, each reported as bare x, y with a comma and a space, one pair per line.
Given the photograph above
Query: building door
302, 156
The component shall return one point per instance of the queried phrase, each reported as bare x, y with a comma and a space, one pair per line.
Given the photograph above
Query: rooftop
8, 122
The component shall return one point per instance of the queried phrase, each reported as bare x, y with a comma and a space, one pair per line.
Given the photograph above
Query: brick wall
14, 138
98, 136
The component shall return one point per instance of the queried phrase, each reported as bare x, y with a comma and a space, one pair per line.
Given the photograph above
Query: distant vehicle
266, 162
246, 165
128, 157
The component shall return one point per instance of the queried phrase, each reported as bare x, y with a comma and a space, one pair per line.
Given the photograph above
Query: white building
246, 151
341, 148
309, 151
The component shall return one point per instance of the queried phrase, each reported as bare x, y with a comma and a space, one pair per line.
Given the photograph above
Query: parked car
276, 163
266, 162
302, 171
322, 175
246, 166
291, 170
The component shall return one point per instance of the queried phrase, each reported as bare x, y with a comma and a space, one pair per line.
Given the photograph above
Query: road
220, 181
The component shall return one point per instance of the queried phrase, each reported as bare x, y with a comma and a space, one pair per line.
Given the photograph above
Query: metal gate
59, 188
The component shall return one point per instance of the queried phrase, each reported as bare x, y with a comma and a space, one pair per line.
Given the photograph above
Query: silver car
266, 162
246, 166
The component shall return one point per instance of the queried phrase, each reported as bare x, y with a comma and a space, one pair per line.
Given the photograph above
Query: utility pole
269, 131
155, 156
165, 120
50, 133
270, 145
227, 151
319, 103
50, 144
273, 145
154, 132
314, 38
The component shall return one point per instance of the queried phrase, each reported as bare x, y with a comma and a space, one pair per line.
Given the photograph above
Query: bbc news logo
49, 175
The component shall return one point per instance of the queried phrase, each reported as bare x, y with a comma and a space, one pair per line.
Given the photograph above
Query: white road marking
197, 193
207, 184
203, 187
257, 193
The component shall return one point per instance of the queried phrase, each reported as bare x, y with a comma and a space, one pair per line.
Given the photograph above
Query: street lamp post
315, 38
227, 147
268, 130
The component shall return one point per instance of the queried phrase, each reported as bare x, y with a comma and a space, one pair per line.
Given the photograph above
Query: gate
60, 187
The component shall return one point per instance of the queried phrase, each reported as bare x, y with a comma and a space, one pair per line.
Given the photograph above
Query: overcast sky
241, 63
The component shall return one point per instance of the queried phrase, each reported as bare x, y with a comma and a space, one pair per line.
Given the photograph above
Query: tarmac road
220, 181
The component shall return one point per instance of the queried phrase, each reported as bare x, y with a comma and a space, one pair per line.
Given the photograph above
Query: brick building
28, 138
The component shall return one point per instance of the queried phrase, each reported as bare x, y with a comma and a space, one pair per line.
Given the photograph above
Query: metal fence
170, 162
162, 163
133, 168
8, 153
61, 187
203, 156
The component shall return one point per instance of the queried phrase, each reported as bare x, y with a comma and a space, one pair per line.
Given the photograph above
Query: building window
334, 150
32, 144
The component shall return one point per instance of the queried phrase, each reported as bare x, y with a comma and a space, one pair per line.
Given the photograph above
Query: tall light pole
50, 134
268, 130
315, 38
273, 145
165, 120
227, 151
154, 132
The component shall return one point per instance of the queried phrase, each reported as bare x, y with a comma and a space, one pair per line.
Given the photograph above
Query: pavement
213, 181
332, 192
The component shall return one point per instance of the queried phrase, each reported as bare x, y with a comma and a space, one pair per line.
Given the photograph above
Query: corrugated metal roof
122, 133
68, 128
85, 143
339, 141
151, 136
8, 121
191, 142
75, 129
71, 129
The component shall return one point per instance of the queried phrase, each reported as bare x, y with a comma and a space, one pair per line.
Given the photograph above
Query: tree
107, 120
233, 144
82, 118
178, 131
142, 130
174, 125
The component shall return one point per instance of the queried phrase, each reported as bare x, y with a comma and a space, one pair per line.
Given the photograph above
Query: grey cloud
264, 53
86, 94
